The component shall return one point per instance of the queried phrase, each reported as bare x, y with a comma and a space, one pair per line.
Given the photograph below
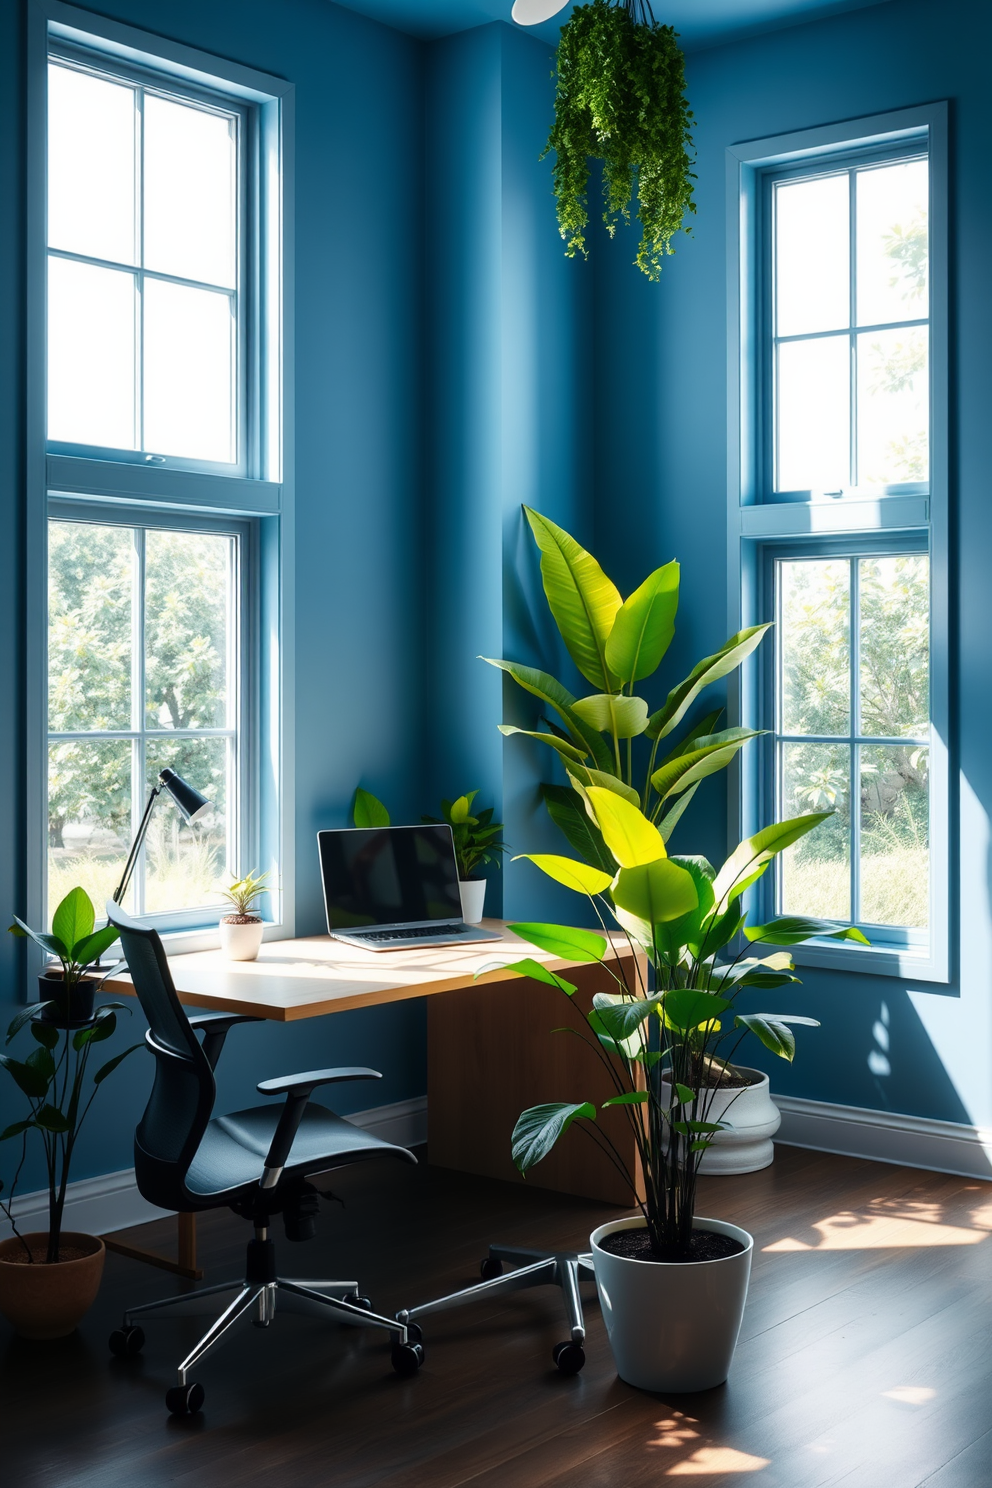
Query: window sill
875, 960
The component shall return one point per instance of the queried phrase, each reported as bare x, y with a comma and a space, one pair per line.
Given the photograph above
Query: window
852, 736
849, 335
144, 667
144, 269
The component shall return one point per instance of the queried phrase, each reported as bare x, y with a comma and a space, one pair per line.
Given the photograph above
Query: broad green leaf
751, 857
619, 1017
736, 971
710, 669
685, 1095
368, 811
74, 918
111, 1064
41, 1060
644, 625
526, 967
672, 936
671, 818
765, 980
538, 1129
640, 931
25, 1016
686, 1008
612, 713
567, 810
460, 810
50, 943
631, 838
655, 892
51, 1119
16, 1129
564, 941
774, 1032
713, 752
701, 729
629, 1098
582, 599
716, 932
562, 746
31, 1081
96, 1032
568, 871
791, 929
700, 1146
582, 778
551, 691
90, 949
45, 1033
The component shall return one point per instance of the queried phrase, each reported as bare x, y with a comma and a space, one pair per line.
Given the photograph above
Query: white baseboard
98, 1206
885, 1136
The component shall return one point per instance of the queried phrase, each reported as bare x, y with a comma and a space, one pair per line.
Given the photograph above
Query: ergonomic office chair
256, 1162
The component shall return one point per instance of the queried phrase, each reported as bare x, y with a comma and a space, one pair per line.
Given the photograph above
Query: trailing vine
621, 99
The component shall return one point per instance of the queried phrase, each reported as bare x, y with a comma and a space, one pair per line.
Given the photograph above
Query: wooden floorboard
864, 1359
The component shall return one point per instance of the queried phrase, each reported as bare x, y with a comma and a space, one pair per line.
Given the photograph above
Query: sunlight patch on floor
910, 1394
678, 1431
888, 1223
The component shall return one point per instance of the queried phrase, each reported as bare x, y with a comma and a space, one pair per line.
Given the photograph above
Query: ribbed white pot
241, 942
672, 1325
752, 1117
473, 893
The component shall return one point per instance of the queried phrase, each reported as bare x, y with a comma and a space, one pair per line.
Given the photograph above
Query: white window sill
875, 960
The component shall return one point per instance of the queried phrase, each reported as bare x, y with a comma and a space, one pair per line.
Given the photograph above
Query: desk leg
184, 1266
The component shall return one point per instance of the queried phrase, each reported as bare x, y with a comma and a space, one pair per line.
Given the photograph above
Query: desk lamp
192, 805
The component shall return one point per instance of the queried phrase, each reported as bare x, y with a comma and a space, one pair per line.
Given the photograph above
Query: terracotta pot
672, 1325
48, 1301
752, 1118
72, 1012
473, 897
241, 937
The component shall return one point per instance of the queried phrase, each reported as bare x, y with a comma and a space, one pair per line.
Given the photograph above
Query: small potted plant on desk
241, 932
672, 1285
475, 844
49, 1280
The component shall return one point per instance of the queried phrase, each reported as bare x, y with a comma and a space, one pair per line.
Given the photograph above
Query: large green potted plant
620, 99
672, 1284
48, 1279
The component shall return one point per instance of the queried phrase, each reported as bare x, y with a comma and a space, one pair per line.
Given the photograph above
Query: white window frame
762, 522
174, 492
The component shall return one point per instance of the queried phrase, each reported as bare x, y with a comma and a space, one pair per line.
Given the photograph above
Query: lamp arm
121, 888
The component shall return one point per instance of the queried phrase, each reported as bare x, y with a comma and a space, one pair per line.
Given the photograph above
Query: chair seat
233, 1150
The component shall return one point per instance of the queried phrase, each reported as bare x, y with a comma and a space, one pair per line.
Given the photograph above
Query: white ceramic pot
745, 1144
672, 1325
240, 937
473, 893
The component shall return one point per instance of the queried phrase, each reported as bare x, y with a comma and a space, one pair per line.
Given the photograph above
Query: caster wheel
569, 1357
184, 1400
407, 1358
490, 1268
126, 1342
358, 1301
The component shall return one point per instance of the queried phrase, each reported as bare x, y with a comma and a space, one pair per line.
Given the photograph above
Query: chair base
532, 1268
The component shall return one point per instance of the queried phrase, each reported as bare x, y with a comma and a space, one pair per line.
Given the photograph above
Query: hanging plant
621, 99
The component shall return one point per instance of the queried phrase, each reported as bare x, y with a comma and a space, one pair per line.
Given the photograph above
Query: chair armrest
309, 1080
297, 1089
215, 1028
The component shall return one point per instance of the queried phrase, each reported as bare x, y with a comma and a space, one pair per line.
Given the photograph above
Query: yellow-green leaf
643, 629
655, 892
631, 838
612, 713
582, 599
570, 872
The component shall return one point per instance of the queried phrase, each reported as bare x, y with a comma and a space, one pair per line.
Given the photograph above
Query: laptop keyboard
424, 932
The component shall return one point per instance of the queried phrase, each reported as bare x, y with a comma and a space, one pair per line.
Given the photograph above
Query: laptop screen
388, 876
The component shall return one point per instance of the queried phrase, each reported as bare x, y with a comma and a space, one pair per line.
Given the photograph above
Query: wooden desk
493, 1044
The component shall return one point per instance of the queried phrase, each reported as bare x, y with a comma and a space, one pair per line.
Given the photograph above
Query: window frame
762, 525
261, 495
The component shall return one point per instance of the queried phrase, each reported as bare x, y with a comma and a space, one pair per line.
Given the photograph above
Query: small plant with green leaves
245, 893
476, 837
368, 811
665, 1041
53, 1076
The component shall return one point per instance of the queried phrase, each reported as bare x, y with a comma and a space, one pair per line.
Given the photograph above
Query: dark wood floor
864, 1360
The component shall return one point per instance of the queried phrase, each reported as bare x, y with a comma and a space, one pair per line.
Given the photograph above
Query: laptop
393, 888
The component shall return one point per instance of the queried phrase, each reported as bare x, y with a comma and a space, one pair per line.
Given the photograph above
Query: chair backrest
183, 1092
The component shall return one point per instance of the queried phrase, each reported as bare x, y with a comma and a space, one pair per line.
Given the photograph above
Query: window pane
895, 836
814, 415
90, 574
189, 621
190, 192
893, 406
189, 371
815, 873
90, 354
812, 256
90, 165
815, 646
893, 250
89, 818
895, 646
186, 865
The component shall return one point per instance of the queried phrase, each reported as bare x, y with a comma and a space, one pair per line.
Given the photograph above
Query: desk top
310, 977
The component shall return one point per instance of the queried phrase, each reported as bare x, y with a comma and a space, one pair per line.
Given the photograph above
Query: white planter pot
241, 942
672, 1325
745, 1144
473, 893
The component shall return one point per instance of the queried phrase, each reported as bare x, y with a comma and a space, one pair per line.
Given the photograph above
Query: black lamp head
192, 805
